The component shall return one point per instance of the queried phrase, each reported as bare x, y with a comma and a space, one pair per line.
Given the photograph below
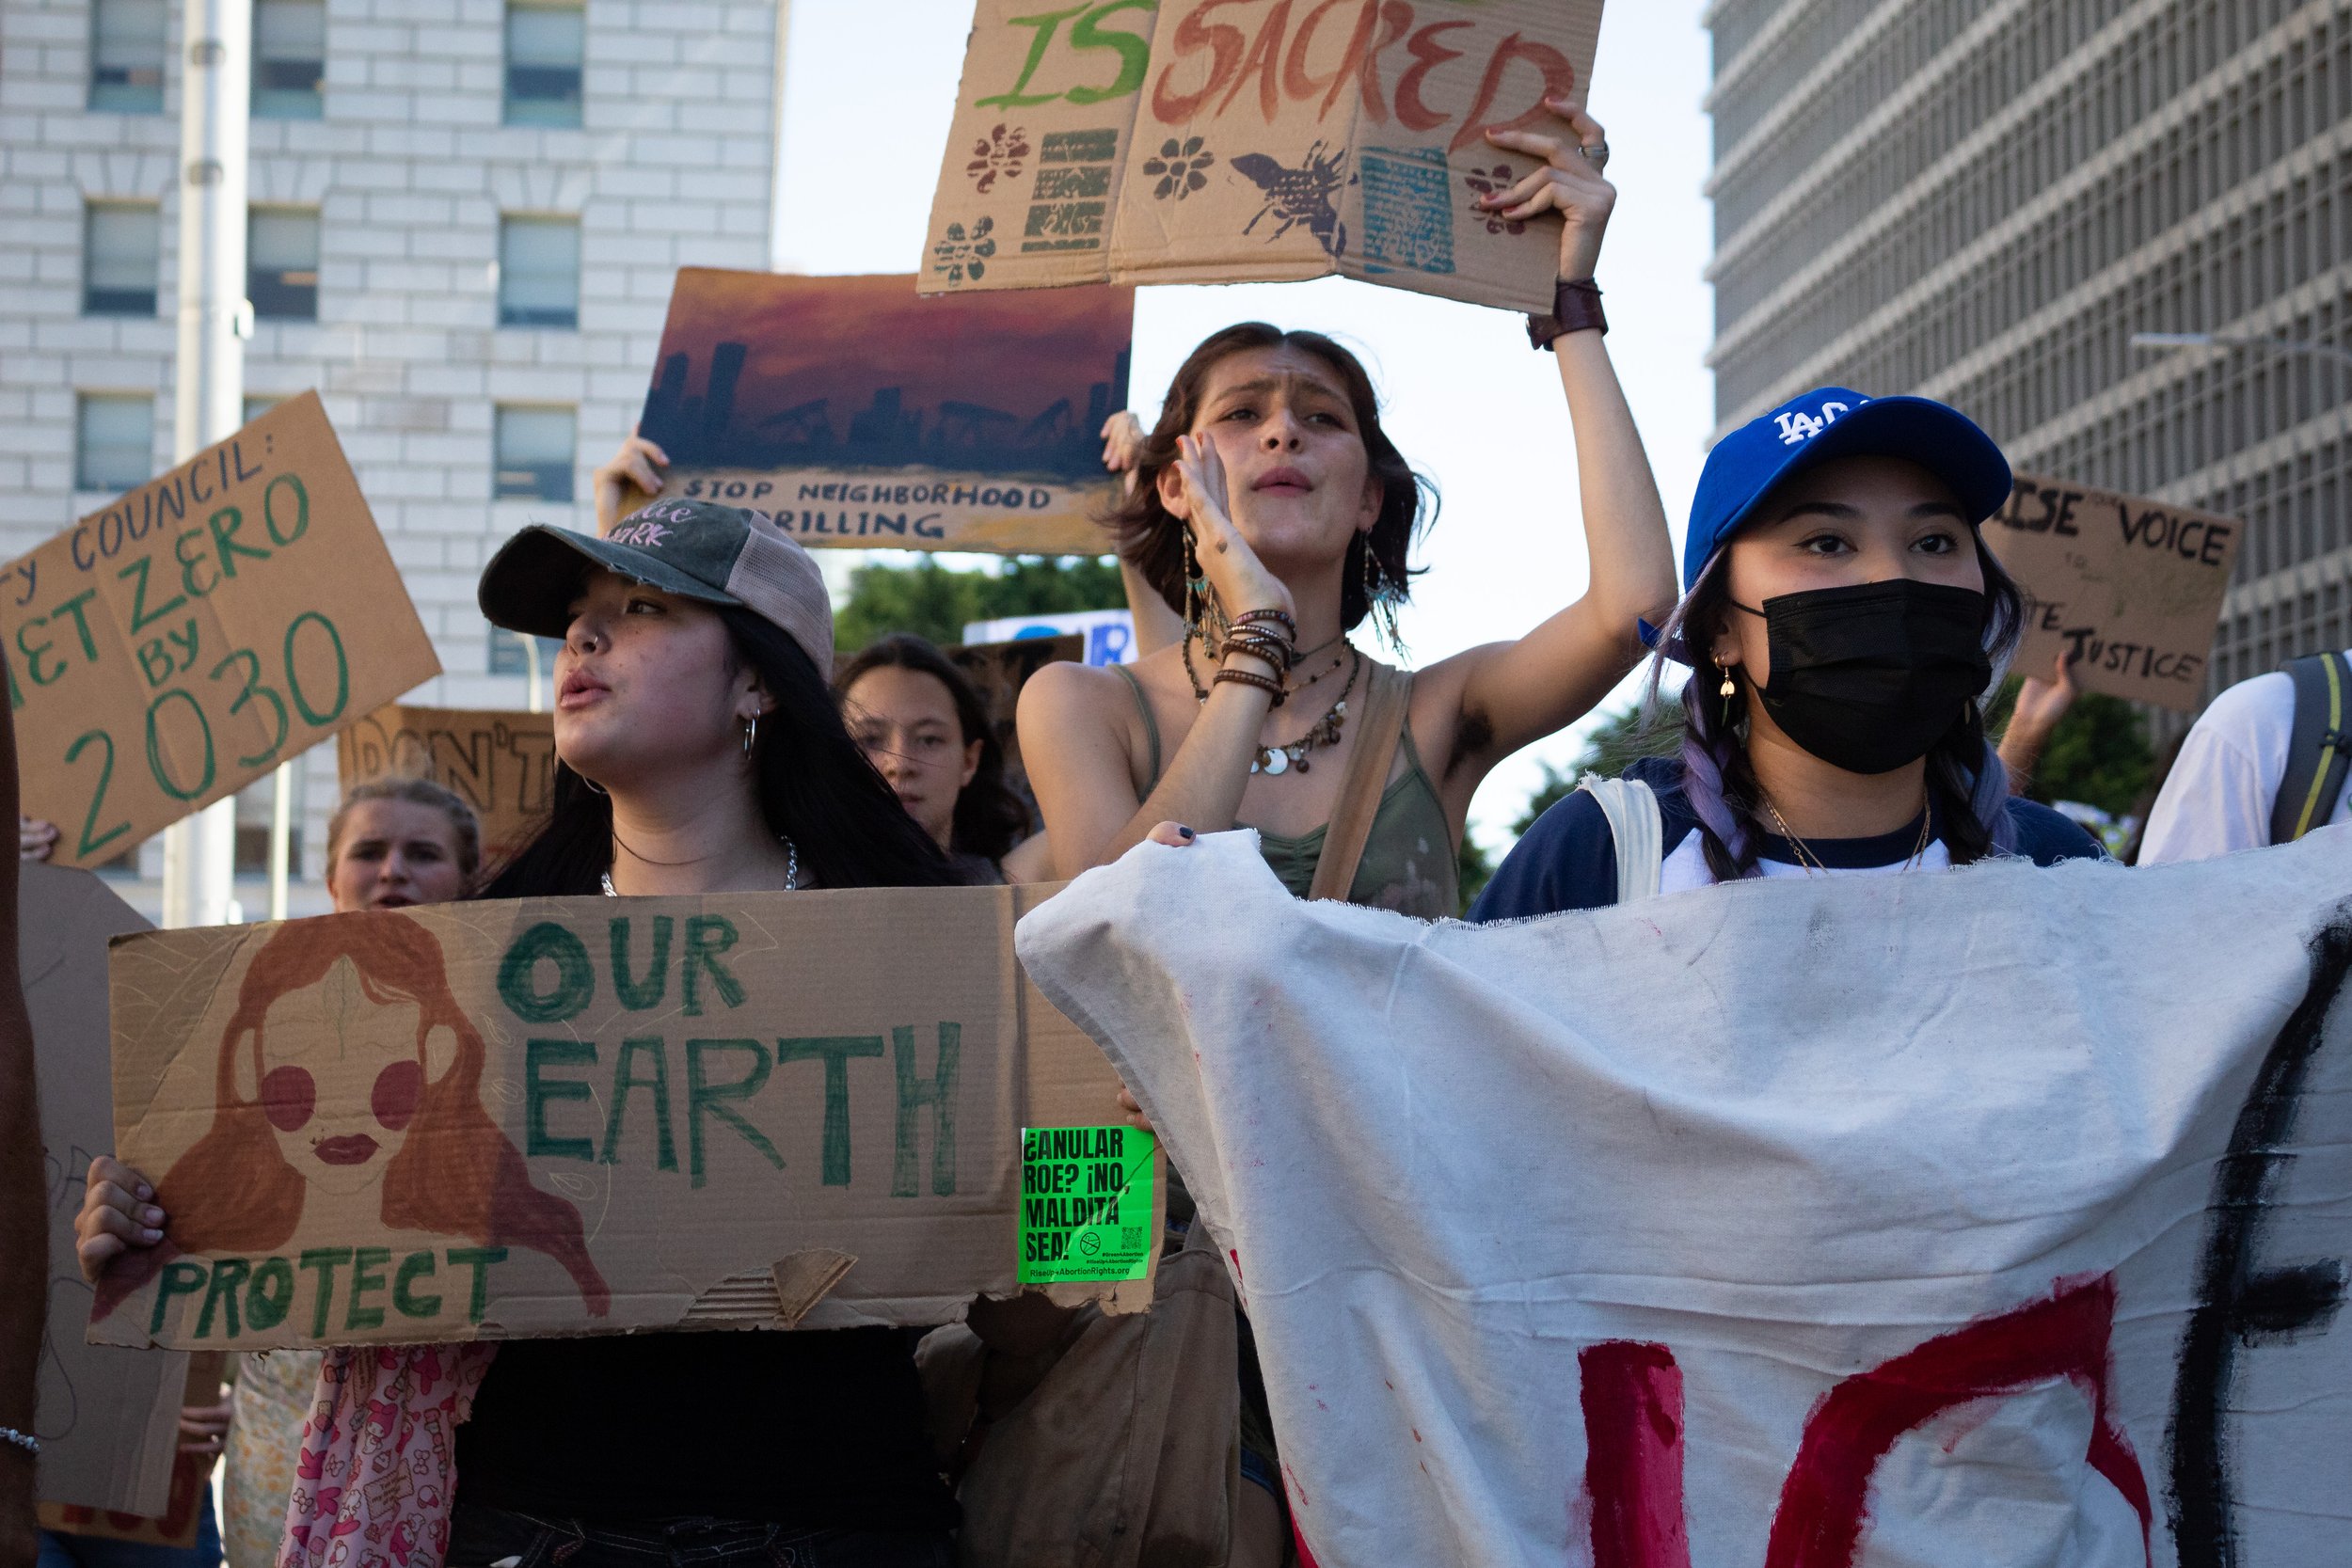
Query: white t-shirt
2219, 795
1686, 869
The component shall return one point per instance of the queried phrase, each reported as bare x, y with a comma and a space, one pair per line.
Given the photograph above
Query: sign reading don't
200, 630
586, 1116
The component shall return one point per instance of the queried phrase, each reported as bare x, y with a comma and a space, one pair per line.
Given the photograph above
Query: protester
24, 1214
699, 752
920, 723
1842, 617
1275, 513
2257, 768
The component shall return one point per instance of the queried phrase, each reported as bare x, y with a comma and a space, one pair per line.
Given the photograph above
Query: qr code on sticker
1130, 1236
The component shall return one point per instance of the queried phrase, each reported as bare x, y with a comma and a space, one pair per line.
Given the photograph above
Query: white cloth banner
1970, 1217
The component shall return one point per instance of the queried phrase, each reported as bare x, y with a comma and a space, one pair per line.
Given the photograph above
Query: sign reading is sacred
200, 630
1225, 141
576, 1115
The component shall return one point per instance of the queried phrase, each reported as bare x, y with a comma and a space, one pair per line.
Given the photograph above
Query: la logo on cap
1797, 426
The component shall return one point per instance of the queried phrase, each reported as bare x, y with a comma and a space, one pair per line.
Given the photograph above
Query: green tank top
1408, 862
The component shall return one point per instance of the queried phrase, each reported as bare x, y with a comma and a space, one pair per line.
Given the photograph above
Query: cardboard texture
857, 413
107, 1419
500, 763
2134, 586
1230, 141
998, 671
200, 630
182, 1516
555, 1117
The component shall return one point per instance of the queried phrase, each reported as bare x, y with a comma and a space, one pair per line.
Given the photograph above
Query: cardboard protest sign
1228, 141
998, 671
200, 630
182, 1518
580, 1115
107, 1419
500, 763
855, 413
1935, 1219
2133, 586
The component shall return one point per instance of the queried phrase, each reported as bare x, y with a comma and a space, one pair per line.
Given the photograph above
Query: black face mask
1869, 678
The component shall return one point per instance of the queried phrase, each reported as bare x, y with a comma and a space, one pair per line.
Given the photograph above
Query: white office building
465, 219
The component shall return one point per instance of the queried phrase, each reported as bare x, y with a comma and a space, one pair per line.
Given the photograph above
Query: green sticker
1086, 1204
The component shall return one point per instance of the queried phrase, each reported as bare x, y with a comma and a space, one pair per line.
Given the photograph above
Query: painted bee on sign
1301, 195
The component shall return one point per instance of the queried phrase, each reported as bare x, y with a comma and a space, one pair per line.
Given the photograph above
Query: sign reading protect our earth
1222, 141
200, 629
589, 1116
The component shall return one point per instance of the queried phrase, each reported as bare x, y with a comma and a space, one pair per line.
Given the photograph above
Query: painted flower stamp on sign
1179, 167
1003, 152
960, 255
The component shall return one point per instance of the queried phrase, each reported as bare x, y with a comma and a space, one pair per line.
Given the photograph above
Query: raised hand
1124, 441
1569, 183
629, 478
1234, 573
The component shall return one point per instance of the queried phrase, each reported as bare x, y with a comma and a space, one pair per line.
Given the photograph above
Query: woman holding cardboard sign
1275, 513
699, 752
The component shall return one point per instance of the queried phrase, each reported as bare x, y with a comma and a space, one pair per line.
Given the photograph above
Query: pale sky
865, 123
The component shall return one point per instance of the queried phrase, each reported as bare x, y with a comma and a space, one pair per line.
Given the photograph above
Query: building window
289, 58
114, 442
544, 45
128, 40
540, 272
534, 454
510, 653
281, 260
121, 253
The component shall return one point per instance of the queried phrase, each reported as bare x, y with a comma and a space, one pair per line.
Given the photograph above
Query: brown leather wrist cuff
1575, 307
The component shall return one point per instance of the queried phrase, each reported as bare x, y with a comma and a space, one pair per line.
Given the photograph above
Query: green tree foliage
937, 602
1616, 743
2099, 753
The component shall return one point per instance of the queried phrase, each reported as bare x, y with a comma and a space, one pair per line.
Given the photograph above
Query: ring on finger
1597, 153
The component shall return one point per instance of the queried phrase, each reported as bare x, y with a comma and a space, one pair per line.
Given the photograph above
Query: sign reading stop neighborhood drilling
200, 630
2130, 588
1224, 141
857, 413
551, 1117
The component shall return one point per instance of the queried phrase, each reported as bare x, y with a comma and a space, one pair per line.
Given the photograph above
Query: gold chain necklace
1812, 862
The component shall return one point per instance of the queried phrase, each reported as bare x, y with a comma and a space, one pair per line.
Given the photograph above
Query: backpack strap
2318, 748
1378, 725
1639, 832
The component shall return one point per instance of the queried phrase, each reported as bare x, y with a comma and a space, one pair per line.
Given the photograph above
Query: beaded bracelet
1274, 650
1250, 616
24, 1440
1251, 677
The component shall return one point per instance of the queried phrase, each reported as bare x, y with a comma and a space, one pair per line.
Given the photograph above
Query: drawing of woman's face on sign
347, 1094
344, 1068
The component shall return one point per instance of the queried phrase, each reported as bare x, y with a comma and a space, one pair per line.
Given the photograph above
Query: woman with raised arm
1275, 514
700, 751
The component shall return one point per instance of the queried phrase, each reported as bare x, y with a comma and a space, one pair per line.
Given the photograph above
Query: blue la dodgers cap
1837, 422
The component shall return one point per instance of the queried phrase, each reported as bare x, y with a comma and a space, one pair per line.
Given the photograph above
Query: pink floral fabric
378, 1466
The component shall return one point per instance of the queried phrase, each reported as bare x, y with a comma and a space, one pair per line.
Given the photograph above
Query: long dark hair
990, 818
814, 786
1151, 538
1967, 786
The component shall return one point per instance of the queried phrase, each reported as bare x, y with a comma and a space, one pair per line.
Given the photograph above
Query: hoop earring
750, 733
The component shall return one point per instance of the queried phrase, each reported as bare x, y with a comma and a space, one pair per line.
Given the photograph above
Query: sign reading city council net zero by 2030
200, 630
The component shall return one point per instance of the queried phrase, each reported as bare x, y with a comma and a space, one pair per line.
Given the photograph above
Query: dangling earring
1727, 689
750, 733
1381, 598
1196, 589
